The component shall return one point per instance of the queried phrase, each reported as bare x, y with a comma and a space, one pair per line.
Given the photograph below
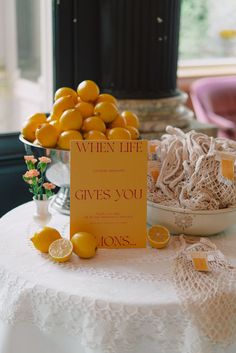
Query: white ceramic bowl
181, 221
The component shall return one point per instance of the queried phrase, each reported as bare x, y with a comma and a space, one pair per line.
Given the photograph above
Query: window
208, 37
28, 39
207, 40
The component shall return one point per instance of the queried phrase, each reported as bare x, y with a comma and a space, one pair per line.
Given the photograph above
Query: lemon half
60, 250
158, 236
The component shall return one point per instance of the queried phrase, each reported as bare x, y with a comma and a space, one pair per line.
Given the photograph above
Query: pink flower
31, 173
45, 160
49, 186
30, 159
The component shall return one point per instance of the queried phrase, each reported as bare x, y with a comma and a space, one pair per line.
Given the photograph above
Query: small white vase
42, 216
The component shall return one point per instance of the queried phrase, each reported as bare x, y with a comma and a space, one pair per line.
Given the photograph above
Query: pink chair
214, 102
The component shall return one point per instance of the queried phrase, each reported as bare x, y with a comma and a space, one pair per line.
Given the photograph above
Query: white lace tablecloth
120, 301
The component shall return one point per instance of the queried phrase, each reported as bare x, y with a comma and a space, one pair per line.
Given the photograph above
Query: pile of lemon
82, 114
49, 240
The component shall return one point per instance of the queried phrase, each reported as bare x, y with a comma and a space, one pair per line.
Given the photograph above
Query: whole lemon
93, 123
133, 131
86, 109
60, 105
66, 137
66, 91
118, 122
28, 130
47, 135
95, 135
44, 237
39, 118
71, 119
88, 91
84, 244
106, 111
106, 97
119, 133
131, 118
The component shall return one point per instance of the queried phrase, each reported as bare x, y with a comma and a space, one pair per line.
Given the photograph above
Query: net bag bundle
190, 175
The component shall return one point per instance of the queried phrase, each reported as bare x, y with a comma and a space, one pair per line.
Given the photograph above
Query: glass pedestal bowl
58, 172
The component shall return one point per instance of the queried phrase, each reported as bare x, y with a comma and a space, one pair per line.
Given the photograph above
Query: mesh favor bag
207, 188
209, 298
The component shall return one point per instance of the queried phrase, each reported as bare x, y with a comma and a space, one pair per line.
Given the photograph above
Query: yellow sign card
200, 261
227, 168
108, 191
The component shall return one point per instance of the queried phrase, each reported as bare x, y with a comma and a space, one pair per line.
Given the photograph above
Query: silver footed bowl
58, 172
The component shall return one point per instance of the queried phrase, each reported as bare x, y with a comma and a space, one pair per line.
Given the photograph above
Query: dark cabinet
129, 47
13, 190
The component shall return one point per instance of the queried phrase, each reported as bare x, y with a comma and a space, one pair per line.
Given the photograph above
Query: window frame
206, 67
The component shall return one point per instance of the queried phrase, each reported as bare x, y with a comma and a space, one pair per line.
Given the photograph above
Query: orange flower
31, 173
45, 160
30, 159
49, 186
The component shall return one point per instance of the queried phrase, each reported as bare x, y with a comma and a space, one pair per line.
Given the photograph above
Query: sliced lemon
60, 250
158, 236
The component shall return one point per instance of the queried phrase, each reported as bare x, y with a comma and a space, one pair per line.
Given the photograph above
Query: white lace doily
115, 302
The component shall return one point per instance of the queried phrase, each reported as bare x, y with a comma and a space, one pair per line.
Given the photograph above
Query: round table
120, 301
